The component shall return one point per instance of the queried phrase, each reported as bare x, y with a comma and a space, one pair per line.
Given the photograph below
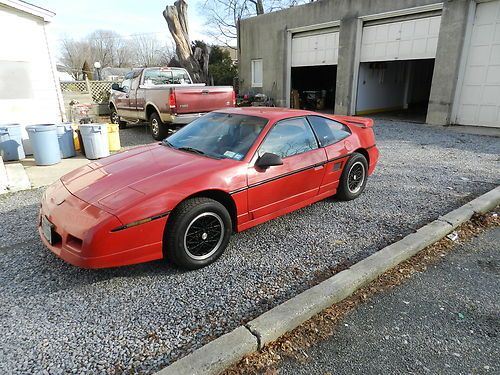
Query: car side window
289, 137
328, 131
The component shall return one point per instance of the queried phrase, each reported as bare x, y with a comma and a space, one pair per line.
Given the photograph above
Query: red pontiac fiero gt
182, 198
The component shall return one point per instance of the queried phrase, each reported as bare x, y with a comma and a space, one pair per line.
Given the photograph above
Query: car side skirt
285, 210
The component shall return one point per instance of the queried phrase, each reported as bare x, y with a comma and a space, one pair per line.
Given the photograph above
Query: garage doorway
313, 87
396, 65
396, 89
313, 69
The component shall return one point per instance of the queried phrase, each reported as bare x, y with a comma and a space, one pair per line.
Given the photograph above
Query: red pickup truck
165, 98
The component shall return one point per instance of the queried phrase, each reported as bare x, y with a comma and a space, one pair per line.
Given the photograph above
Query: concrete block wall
265, 37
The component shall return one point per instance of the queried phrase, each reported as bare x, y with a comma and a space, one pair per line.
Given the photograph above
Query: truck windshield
220, 135
153, 77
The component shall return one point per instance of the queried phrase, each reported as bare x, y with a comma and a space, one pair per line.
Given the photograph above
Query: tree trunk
259, 6
176, 17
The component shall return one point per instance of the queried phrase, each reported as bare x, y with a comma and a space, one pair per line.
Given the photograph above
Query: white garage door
479, 102
403, 40
315, 48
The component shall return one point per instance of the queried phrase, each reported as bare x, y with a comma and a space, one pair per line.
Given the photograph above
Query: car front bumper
82, 233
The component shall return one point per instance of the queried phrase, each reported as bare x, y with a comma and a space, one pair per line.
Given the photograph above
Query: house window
257, 73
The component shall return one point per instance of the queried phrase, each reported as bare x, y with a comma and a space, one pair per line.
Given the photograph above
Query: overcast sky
76, 19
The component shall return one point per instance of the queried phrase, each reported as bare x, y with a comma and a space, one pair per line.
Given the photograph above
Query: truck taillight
234, 98
172, 102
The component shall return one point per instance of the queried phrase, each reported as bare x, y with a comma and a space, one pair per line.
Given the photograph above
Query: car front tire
159, 131
353, 180
197, 233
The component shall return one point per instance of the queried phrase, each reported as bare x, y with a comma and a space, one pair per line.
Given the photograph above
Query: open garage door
314, 69
401, 40
397, 65
479, 99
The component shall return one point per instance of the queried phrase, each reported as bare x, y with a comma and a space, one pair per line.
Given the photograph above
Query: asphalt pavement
445, 320
60, 319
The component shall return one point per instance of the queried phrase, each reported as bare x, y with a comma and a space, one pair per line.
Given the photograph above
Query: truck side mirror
116, 86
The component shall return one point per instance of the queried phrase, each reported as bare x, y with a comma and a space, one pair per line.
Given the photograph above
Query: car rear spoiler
361, 122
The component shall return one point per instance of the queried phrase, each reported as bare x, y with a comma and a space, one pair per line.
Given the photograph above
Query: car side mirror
268, 160
116, 86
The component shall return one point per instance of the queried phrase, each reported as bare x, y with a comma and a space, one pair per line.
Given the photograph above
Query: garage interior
315, 87
313, 73
396, 89
396, 66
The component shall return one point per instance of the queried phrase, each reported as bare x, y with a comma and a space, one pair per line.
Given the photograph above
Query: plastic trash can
43, 139
114, 137
65, 139
11, 142
76, 139
95, 140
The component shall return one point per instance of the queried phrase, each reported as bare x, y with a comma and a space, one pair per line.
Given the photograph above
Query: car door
122, 97
280, 187
334, 137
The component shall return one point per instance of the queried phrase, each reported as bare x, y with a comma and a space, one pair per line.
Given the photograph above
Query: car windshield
219, 135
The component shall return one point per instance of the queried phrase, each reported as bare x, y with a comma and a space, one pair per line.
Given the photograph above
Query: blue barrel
44, 142
11, 142
65, 138
95, 140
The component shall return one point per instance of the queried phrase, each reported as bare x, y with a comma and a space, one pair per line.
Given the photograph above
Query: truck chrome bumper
181, 119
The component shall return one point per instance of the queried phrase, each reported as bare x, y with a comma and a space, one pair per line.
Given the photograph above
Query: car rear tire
353, 179
197, 233
115, 119
159, 130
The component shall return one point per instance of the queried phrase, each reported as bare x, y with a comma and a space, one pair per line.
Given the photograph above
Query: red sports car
182, 198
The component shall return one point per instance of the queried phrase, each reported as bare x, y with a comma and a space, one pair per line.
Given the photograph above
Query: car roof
270, 113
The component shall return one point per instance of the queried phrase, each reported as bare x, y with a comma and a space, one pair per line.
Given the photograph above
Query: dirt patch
324, 324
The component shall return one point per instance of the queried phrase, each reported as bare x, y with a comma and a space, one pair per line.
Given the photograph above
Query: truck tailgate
202, 99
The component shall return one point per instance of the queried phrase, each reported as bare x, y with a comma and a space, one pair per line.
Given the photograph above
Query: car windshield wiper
167, 143
191, 149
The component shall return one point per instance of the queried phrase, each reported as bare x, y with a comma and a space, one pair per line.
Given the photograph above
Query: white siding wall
28, 91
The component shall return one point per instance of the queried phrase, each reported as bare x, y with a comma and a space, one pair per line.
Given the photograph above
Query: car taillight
172, 102
234, 99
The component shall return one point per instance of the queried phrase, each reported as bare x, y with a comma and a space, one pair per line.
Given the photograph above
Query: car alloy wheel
155, 127
115, 119
356, 177
204, 236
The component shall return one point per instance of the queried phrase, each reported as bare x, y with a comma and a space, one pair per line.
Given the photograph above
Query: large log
192, 61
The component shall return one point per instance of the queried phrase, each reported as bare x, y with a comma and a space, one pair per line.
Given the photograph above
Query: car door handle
126, 96
319, 167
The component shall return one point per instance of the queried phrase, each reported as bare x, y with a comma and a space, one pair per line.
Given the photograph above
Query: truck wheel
159, 130
115, 119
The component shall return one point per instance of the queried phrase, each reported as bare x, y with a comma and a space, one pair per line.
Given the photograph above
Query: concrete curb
228, 349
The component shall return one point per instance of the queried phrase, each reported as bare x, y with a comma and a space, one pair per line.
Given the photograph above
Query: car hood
119, 175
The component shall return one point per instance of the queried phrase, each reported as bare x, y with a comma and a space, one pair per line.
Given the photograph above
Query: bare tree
73, 56
149, 51
223, 15
103, 45
191, 58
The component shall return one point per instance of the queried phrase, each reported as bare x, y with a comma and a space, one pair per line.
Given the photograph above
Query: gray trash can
11, 142
95, 140
44, 142
65, 138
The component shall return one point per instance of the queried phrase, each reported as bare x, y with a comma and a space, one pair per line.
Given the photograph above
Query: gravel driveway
61, 319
